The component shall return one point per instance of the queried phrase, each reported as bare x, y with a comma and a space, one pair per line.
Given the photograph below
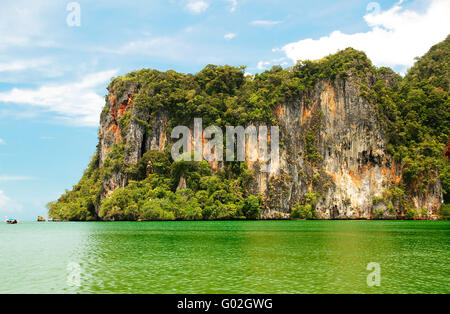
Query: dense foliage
155, 198
151, 193
415, 114
413, 111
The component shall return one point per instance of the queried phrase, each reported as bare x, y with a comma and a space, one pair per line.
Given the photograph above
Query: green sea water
224, 257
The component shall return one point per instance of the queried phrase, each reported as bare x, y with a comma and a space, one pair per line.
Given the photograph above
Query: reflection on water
224, 257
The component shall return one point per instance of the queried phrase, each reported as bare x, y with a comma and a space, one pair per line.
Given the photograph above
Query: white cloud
20, 65
7, 204
77, 103
229, 36
178, 47
397, 36
15, 178
2, 141
265, 23
197, 6
30, 23
233, 5
165, 47
18, 114
262, 65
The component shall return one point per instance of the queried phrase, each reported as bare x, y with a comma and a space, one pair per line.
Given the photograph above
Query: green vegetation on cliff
207, 196
81, 202
413, 112
152, 193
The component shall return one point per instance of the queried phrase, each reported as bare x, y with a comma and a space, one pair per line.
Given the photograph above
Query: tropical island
356, 142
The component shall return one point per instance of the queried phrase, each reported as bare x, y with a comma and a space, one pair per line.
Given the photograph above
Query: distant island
356, 142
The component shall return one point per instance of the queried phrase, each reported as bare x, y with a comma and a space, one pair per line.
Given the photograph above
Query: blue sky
53, 76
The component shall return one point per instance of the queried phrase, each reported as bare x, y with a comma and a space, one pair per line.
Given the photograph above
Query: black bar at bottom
244, 303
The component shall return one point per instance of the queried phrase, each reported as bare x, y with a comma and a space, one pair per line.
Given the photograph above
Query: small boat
11, 221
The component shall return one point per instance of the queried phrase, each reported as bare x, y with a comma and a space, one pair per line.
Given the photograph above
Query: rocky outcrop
447, 150
352, 166
331, 145
121, 122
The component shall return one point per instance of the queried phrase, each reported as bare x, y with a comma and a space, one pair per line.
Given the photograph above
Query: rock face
136, 138
353, 166
331, 143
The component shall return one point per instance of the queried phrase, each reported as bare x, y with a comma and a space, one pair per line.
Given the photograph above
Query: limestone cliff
137, 138
351, 170
356, 142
